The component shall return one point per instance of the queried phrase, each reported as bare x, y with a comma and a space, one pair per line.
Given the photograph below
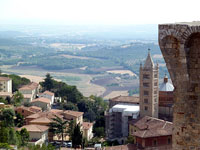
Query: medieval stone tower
149, 88
180, 45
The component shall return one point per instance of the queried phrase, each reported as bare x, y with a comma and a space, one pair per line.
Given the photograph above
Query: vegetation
8, 135
58, 126
77, 137
17, 81
44, 147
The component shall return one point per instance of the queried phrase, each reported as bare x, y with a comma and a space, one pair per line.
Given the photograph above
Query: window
146, 84
146, 76
146, 100
22, 111
155, 83
145, 108
155, 142
146, 93
169, 140
155, 99
155, 92
156, 75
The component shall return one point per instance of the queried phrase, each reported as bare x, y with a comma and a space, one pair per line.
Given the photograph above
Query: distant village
131, 122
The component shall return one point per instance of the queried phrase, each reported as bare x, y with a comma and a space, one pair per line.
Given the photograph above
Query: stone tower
149, 88
180, 45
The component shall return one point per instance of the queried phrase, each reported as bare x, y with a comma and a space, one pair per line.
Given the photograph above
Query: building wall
41, 136
154, 141
24, 112
48, 96
44, 106
149, 86
6, 86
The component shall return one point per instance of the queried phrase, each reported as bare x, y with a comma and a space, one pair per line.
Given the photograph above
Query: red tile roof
42, 99
30, 86
34, 128
4, 79
48, 93
129, 99
152, 127
87, 125
73, 113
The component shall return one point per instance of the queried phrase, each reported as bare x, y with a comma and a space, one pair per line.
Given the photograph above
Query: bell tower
149, 88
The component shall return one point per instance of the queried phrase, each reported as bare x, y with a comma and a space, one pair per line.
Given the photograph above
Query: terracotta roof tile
129, 99
4, 79
30, 86
73, 113
49, 93
87, 125
152, 127
41, 120
42, 99
34, 128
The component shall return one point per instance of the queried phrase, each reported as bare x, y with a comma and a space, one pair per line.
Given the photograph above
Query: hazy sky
98, 11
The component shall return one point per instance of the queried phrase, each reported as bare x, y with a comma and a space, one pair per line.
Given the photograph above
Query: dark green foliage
18, 98
58, 126
67, 92
17, 81
5, 146
12, 138
77, 137
24, 137
48, 82
8, 117
2, 100
70, 130
99, 131
19, 120
4, 134
69, 106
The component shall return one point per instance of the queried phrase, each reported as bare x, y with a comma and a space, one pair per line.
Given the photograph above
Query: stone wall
180, 46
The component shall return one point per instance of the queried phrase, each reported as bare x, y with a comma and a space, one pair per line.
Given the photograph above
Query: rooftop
30, 86
73, 113
34, 128
87, 125
129, 99
48, 93
42, 99
152, 127
4, 79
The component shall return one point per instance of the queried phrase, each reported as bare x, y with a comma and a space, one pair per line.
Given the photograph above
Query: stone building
180, 46
149, 132
166, 99
149, 86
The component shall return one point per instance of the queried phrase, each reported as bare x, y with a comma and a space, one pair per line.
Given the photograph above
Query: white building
42, 102
117, 120
38, 134
49, 95
29, 91
5, 84
87, 130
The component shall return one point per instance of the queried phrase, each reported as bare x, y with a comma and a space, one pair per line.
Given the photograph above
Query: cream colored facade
5, 84
149, 88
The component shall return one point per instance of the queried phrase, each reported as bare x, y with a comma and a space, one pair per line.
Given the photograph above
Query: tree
8, 117
71, 129
77, 137
48, 82
130, 139
58, 126
18, 98
24, 137
19, 120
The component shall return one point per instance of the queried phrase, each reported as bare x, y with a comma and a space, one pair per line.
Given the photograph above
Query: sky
114, 12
